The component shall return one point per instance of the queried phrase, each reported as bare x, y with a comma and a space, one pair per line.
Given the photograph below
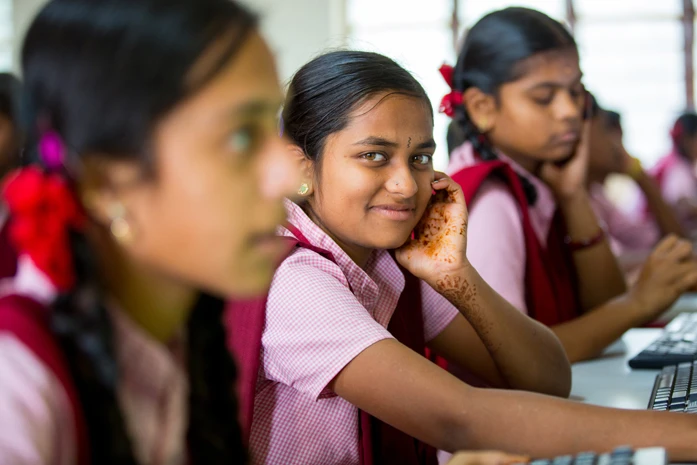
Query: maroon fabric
380, 443
550, 281
28, 321
8, 256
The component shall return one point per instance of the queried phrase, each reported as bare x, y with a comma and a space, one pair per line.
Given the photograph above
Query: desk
608, 381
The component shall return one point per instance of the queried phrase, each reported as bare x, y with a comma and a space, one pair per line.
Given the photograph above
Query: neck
530, 165
595, 177
358, 254
159, 305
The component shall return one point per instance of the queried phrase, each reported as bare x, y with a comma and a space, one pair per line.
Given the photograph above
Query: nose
401, 181
568, 107
278, 177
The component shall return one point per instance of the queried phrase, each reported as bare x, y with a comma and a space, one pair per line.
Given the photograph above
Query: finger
486, 458
665, 245
582, 150
686, 283
443, 182
681, 251
675, 273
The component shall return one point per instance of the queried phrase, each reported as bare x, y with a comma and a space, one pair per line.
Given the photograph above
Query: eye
374, 156
422, 159
243, 139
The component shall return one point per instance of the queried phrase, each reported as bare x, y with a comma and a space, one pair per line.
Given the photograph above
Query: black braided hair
105, 96
492, 55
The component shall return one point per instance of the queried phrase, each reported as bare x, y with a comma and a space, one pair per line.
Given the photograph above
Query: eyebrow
382, 142
255, 108
555, 85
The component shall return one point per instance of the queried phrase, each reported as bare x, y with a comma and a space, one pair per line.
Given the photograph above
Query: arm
667, 273
665, 217
500, 344
491, 338
599, 275
428, 403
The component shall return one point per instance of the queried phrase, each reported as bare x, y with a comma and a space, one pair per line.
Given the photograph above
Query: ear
101, 186
481, 108
306, 168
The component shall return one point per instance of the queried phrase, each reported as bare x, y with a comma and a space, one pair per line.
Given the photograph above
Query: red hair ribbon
43, 211
451, 100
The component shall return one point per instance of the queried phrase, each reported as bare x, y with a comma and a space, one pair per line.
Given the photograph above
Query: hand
440, 239
567, 180
669, 271
486, 458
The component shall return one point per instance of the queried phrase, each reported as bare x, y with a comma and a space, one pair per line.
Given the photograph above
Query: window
6, 35
632, 53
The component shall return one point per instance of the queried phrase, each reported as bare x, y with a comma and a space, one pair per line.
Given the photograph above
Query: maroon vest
380, 443
550, 279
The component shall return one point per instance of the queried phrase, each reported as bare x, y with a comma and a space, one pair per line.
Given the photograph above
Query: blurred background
637, 55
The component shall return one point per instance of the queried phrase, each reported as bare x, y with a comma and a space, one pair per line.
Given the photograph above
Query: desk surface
608, 381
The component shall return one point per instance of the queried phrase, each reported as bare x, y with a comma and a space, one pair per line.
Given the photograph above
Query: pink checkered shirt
36, 417
315, 325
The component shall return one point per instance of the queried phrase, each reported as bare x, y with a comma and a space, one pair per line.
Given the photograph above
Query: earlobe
305, 168
481, 109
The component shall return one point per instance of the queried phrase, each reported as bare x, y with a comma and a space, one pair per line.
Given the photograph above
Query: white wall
23, 13
297, 30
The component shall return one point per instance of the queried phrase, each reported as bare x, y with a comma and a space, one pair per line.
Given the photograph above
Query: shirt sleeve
314, 325
496, 244
438, 312
35, 415
678, 183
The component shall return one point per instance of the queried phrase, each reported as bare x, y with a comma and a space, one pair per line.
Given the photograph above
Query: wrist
636, 306
572, 200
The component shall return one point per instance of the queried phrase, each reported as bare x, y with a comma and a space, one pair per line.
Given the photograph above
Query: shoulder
36, 415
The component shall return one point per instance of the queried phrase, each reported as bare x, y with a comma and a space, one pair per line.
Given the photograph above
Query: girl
156, 187
10, 134
346, 321
675, 172
630, 239
517, 94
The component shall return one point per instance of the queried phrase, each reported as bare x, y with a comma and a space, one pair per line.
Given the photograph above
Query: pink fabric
678, 180
315, 325
35, 414
495, 244
626, 234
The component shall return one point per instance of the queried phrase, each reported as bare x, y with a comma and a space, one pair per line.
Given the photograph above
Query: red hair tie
453, 99
43, 211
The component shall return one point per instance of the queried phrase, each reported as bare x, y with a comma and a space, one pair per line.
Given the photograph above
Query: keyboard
677, 344
675, 389
620, 456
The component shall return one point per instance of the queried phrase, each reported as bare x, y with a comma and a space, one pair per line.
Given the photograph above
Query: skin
537, 121
206, 219
415, 395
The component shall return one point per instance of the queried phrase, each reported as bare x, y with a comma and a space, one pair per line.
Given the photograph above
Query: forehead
391, 113
250, 76
558, 67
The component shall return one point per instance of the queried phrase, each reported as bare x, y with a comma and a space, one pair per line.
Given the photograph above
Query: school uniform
517, 248
625, 233
321, 313
37, 420
676, 178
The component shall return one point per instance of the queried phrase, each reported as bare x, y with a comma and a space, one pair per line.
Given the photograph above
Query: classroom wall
23, 12
297, 30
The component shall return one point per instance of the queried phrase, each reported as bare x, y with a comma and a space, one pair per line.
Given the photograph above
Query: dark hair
494, 53
613, 120
10, 93
325, 91
685, 126
102, 74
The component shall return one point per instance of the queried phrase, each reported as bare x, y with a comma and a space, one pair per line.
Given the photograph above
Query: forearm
587, 336
526, 353
665, 217
599, 275
545, 427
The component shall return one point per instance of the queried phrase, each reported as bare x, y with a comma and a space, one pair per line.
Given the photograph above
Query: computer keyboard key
563, 460
540, 462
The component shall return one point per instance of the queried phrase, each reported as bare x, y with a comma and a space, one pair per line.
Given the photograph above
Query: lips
397, 212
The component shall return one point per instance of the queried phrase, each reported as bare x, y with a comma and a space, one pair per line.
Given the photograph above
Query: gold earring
484, 127
120, 228
304, 189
